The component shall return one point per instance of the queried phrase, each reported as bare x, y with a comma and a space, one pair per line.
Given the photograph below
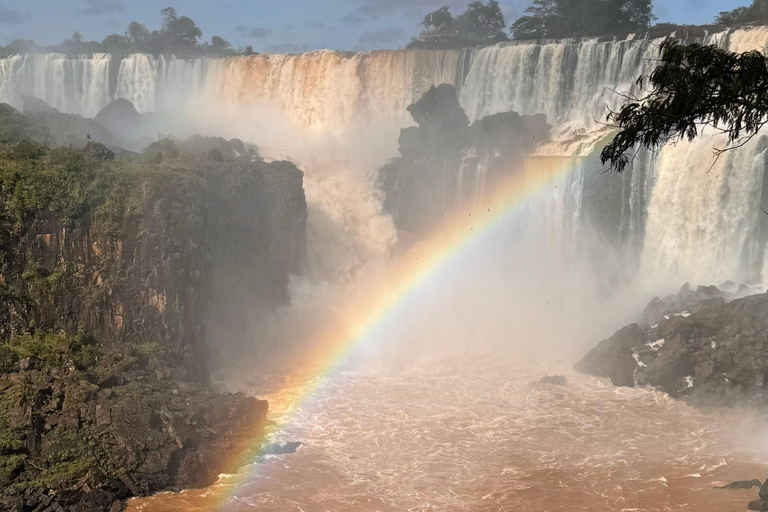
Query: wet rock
764, 490
742, 484
675, 362
613, 357
278, 449
705, 349
758, 505
556, 380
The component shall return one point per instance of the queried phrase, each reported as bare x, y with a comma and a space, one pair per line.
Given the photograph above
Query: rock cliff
114, 269
708, 347
447, 162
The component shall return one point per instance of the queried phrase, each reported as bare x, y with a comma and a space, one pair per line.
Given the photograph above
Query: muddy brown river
475, 434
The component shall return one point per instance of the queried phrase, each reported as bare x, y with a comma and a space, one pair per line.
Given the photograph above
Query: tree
115, 43
480, 24
248, 50
440, 19
579, 18
178, 33
757, 13
137, 35
694, 86
77, 38
483, 22
220, 44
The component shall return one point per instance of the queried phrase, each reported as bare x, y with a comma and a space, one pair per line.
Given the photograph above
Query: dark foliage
580, 18
694, 86
756, 14
481, 24
179, 35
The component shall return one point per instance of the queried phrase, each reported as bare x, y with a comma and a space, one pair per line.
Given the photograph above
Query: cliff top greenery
178, 35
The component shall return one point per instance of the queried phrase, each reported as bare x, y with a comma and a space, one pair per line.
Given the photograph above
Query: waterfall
677, 214
71, 84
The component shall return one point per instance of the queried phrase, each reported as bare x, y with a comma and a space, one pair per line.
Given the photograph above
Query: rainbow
358, 319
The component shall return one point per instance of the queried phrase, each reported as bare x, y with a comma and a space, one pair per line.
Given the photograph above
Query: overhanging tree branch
693, 86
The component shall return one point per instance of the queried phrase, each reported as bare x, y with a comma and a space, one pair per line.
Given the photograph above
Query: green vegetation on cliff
110, 265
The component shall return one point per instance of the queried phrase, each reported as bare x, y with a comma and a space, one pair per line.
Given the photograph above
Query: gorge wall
120, 281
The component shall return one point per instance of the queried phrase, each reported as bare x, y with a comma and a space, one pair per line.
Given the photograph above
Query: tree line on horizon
484, 23
480, 24
178, 35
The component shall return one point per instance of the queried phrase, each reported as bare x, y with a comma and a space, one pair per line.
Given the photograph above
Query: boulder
613, 357
119, 117
704, 348
278, 449
556, 380
675, 362
742, 484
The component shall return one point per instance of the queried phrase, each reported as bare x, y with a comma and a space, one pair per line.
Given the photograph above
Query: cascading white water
70, 84
694, 223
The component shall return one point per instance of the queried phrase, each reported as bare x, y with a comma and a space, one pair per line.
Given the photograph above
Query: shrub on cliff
53, 349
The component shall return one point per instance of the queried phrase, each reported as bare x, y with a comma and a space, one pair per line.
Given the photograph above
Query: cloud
372, 10
354, 18
317, 24
10, 17
253, 32
289, 48
379, 39
99, 8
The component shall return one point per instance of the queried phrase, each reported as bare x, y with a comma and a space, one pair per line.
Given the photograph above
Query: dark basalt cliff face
705, 346
447, 162
112, 269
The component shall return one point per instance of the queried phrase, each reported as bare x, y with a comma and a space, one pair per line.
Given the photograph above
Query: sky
278, 26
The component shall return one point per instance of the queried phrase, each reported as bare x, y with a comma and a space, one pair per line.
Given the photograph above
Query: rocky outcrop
127, 427
43, 123
152, 277
112, 286
762, 503
447, 162
703, 346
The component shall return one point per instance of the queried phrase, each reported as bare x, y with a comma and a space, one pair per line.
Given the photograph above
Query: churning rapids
481, 435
